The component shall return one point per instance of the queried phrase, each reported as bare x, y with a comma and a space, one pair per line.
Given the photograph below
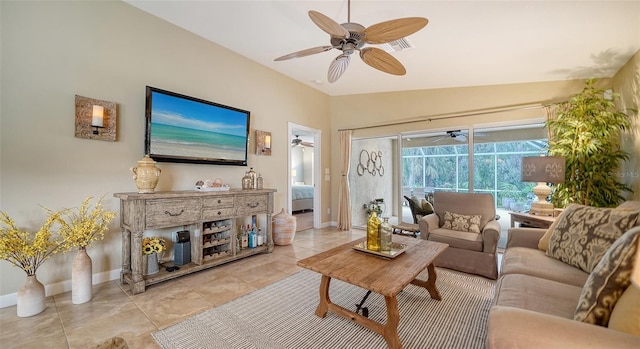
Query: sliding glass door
439, 161
497, 162
436, 161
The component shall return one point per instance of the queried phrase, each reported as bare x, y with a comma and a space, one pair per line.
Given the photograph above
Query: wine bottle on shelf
260, 237
252, 239
245, 239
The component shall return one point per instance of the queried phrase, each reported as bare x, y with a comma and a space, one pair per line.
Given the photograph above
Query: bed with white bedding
301, 197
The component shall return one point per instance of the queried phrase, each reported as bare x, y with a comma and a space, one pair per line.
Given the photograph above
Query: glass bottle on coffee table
386, 231
373, 232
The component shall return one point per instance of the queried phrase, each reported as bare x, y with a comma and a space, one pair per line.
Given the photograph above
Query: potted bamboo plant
586, 132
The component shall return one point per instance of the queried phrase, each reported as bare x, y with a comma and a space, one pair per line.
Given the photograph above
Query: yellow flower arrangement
25, 250
80, 229
28, 251
152, 245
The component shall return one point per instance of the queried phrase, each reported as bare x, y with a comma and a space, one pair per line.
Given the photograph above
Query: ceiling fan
350, 37
299, 142
459, 136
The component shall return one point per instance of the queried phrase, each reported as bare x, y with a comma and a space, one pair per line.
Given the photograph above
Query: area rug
282, 315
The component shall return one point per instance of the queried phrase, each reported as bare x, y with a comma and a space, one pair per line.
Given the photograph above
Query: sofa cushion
536, 294
584, 234
460, 222
625, 316
529, 261
608, 280
465, 203
630, 205
457, 239
543, 244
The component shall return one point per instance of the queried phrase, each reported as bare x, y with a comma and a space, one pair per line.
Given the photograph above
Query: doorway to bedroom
304, 176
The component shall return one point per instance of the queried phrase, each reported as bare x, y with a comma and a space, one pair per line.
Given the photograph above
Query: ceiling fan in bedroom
350, 37
297, 142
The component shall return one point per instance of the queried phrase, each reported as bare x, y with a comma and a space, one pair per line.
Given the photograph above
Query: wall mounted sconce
263, 142
95, 119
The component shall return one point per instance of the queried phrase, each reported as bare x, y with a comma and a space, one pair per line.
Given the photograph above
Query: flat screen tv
191, 130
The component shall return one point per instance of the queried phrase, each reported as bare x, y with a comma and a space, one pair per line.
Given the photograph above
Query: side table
412, 229
530, 220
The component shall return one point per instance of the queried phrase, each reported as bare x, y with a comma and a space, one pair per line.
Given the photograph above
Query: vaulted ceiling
466, 43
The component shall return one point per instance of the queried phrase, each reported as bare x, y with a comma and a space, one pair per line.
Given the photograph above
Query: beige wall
361, 111
110, 51
367, 187
627, 83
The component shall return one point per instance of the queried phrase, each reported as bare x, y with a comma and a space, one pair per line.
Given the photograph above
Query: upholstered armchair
467, 222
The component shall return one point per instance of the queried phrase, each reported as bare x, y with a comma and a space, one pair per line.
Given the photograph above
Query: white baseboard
328, 224
8, 300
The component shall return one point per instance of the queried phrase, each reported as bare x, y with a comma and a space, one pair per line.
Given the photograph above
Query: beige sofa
536, 299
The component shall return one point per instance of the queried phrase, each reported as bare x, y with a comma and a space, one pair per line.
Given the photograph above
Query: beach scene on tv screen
186, 128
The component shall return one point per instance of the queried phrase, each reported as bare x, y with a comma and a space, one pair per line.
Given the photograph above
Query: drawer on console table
210, 213
221, 202
218, 208
172, 212
251, 204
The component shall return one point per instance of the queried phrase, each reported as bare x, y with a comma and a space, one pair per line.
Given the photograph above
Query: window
439, 161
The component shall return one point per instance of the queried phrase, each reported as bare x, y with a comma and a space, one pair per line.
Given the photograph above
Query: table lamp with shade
542, 169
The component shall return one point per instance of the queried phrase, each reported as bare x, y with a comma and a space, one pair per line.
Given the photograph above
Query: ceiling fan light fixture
350, 37
338, 67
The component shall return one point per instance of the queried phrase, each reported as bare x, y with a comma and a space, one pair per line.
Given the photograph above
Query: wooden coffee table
378, 274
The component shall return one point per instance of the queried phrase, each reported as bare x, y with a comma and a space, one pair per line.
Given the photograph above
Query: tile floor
114, 311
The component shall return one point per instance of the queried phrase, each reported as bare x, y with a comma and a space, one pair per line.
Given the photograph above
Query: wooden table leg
126, 254
389, 330
323, 307
430, 284
393, 319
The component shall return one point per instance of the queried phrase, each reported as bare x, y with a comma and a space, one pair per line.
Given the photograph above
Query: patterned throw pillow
584, 234
608, 281
459, 222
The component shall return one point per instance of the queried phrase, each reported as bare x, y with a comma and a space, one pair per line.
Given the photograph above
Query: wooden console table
211, 214
530, 220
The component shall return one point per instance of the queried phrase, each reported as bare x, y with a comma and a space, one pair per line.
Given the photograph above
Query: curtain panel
344, 196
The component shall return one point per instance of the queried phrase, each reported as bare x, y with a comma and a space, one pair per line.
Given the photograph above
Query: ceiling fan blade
382, 61
303, 53
337, 67
328, 25
393, 30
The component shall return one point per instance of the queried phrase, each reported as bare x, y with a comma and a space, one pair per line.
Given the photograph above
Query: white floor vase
81, 274
31, 298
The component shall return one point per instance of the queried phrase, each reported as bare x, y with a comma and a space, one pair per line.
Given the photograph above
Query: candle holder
95, 119
263, 142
